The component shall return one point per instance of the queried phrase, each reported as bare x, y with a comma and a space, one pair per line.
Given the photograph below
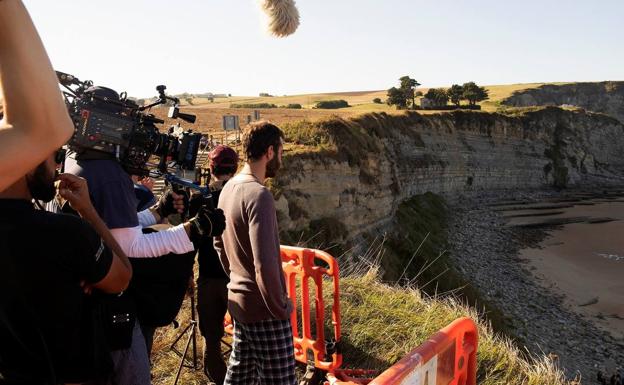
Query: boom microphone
283, 16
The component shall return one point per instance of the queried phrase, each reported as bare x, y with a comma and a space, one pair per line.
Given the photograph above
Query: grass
381, 324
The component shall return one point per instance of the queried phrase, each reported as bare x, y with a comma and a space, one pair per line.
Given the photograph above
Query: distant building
426, 103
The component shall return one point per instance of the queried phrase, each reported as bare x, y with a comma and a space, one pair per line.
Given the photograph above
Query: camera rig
109, 125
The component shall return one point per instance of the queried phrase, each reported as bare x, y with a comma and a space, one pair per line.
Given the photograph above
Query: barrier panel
449, 357
301, 265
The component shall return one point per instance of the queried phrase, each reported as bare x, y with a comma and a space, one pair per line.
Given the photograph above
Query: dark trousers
148, 334
211, 309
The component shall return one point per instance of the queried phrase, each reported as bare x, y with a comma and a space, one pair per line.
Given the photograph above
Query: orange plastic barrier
300, 265
448, 357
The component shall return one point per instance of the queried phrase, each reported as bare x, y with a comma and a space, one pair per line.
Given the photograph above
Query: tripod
192, 328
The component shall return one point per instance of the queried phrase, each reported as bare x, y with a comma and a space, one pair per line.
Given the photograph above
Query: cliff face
371, 164
604, 97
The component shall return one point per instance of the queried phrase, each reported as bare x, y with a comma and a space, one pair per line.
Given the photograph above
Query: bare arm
35, 116
75, 190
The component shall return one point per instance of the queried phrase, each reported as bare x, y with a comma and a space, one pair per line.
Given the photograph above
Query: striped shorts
262, 354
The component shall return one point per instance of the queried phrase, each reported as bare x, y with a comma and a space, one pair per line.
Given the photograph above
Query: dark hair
223, 170
258, 137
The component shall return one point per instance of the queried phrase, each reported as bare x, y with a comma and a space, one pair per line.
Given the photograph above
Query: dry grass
381, 324
209, 115
500, 92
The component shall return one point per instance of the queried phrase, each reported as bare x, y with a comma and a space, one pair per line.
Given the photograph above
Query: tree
456, 94
332, 104
396, 97
474, 94
408, 87
438, 96
377, 101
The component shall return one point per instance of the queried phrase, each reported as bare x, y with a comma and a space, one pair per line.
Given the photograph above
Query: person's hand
195, 203
171, 203
147, 182
74, 190
207, 223
87, 288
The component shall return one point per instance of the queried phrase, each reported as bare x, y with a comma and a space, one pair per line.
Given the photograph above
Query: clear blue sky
341, 45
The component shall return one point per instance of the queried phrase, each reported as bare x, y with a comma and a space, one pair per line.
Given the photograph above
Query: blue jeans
131, 366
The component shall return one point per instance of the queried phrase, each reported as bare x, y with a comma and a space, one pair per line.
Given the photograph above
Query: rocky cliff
347, 177
604, 97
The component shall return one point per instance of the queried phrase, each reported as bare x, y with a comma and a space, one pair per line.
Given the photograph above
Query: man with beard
249, 249
47, 325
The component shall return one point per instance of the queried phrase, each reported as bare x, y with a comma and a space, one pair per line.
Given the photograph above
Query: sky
220, 46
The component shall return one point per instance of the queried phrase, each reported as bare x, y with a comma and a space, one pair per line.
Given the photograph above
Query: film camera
109, 125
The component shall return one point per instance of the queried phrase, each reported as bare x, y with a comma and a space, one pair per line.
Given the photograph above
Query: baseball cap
223, 156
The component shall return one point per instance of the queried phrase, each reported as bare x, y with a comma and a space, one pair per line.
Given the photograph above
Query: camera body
112, 125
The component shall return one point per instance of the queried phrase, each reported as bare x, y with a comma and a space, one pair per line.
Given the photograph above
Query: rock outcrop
369, 165
603, 97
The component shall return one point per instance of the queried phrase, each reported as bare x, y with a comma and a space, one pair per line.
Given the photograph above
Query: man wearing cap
212, 281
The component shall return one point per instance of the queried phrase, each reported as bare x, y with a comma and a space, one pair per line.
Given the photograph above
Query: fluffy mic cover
282, 16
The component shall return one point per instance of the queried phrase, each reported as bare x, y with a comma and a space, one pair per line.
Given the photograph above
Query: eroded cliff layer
351, 175
603, 97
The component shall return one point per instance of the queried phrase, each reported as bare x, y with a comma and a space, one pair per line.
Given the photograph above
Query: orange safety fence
301, 265
449, 357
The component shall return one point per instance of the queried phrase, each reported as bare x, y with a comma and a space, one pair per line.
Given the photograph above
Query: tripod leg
188, 342
194, 336
182, 334
194, 330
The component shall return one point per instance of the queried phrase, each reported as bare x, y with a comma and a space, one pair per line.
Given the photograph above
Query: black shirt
208, 259
46, 323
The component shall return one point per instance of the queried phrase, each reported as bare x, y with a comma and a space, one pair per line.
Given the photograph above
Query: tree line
404, 96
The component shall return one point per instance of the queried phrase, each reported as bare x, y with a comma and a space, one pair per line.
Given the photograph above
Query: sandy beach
584, 262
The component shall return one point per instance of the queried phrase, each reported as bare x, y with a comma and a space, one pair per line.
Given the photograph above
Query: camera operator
212, 281
48, 331
112, 194
35, 116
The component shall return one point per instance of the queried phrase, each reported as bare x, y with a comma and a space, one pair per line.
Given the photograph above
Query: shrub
253, 105
377, 101
454, 107
332, 104
295, 106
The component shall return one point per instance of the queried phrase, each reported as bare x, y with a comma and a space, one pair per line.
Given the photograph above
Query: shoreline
488, 253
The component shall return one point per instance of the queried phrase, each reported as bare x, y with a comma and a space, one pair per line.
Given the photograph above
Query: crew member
112, 194
249, 249
48, 326
212, 280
